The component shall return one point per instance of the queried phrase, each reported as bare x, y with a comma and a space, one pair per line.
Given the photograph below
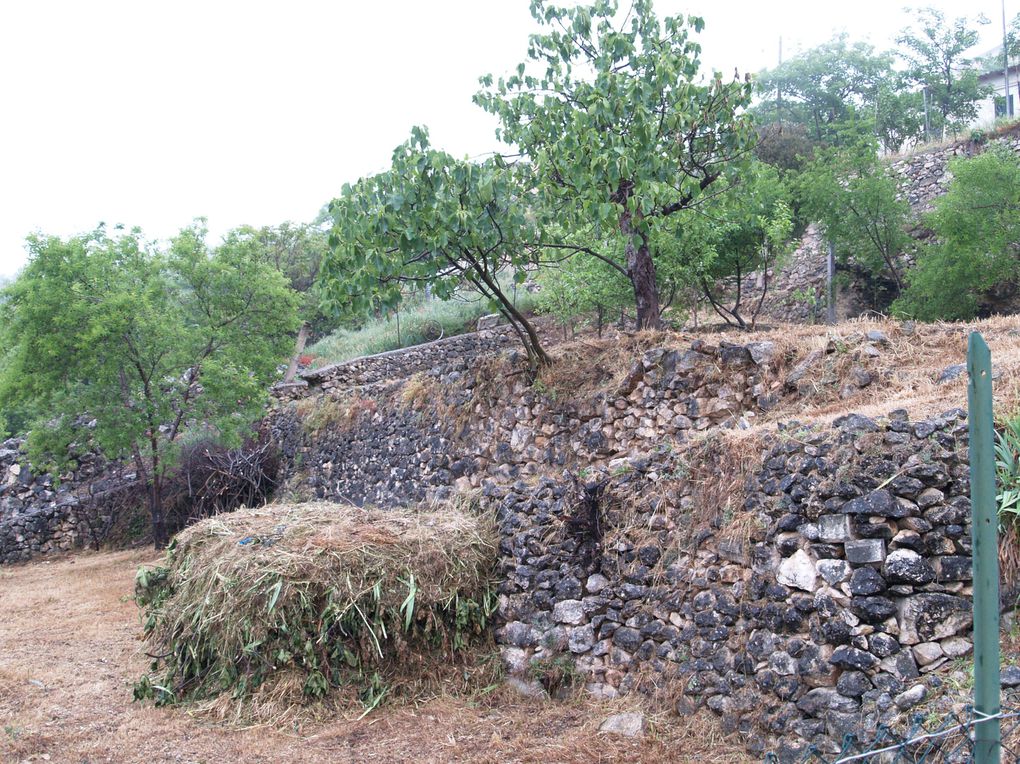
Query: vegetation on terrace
415, 320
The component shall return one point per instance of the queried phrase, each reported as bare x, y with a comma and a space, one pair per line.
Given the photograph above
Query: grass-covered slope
419, 322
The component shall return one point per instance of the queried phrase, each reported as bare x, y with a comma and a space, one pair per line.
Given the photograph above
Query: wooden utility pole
779, 88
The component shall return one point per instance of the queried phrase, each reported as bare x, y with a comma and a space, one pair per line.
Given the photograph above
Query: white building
995, 106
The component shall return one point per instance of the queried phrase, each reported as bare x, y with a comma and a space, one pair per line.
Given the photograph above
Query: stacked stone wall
398, 364
469, 427
803, 582
812, 597
816, 609
39, 513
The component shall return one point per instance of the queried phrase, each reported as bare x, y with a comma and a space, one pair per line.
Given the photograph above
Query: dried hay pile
283, 606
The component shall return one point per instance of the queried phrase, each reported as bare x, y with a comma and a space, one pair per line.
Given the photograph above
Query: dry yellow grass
69, 652
905, 370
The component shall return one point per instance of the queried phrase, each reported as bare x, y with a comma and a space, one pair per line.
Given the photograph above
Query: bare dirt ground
69, 653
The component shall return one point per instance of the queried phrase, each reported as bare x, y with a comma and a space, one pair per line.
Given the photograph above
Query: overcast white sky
151, 114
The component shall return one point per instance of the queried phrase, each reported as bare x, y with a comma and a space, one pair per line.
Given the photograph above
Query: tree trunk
160, 537
529, 337
641, 270
299, 348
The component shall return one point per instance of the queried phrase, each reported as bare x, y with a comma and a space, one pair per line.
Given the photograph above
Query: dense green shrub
977, 236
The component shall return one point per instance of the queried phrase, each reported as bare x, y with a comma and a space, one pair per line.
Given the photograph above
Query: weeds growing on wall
1007, 474
287, 605
324, 412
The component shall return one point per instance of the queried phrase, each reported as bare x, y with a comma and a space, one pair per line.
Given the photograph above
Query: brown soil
69, 653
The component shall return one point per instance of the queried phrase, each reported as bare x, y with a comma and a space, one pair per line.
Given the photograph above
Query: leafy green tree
824, 87
580, 287
741, 235
433, 220
619, 128
977, 240
296, 250
853, 195
14, 419
935, 51
899, 114
784, 145
148, 343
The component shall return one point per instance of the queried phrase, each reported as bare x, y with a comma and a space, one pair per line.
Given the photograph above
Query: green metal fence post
984, 527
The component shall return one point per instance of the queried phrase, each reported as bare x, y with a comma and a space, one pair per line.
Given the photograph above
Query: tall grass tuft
419, 321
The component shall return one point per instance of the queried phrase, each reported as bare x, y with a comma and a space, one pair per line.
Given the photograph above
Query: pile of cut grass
267, 613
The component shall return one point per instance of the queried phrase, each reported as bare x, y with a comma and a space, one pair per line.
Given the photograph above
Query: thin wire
932, 735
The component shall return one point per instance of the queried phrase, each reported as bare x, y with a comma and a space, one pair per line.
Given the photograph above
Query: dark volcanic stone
1010, 676
568, 588
627, 638
905, 566
955, 568
878, 503
836, 632
853, 683
821, 699
866, 581
856, 423
872, 609
852, 658
884, 645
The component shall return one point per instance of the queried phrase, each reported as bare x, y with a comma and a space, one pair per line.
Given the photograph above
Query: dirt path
69, 654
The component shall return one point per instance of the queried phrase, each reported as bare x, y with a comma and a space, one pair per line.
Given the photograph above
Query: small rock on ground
630, 724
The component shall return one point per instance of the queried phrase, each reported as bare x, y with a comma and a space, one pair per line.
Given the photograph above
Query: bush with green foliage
977, 240
583, 287
1007, 471
750, 233
852, 193
147, 342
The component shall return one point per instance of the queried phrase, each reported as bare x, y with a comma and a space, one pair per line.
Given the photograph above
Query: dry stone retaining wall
393, 452
38, 513
812, 594
822, 618
819, 604
925, 176
397, 364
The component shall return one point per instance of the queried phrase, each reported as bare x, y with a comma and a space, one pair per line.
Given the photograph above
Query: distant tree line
927, 88
825, 118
